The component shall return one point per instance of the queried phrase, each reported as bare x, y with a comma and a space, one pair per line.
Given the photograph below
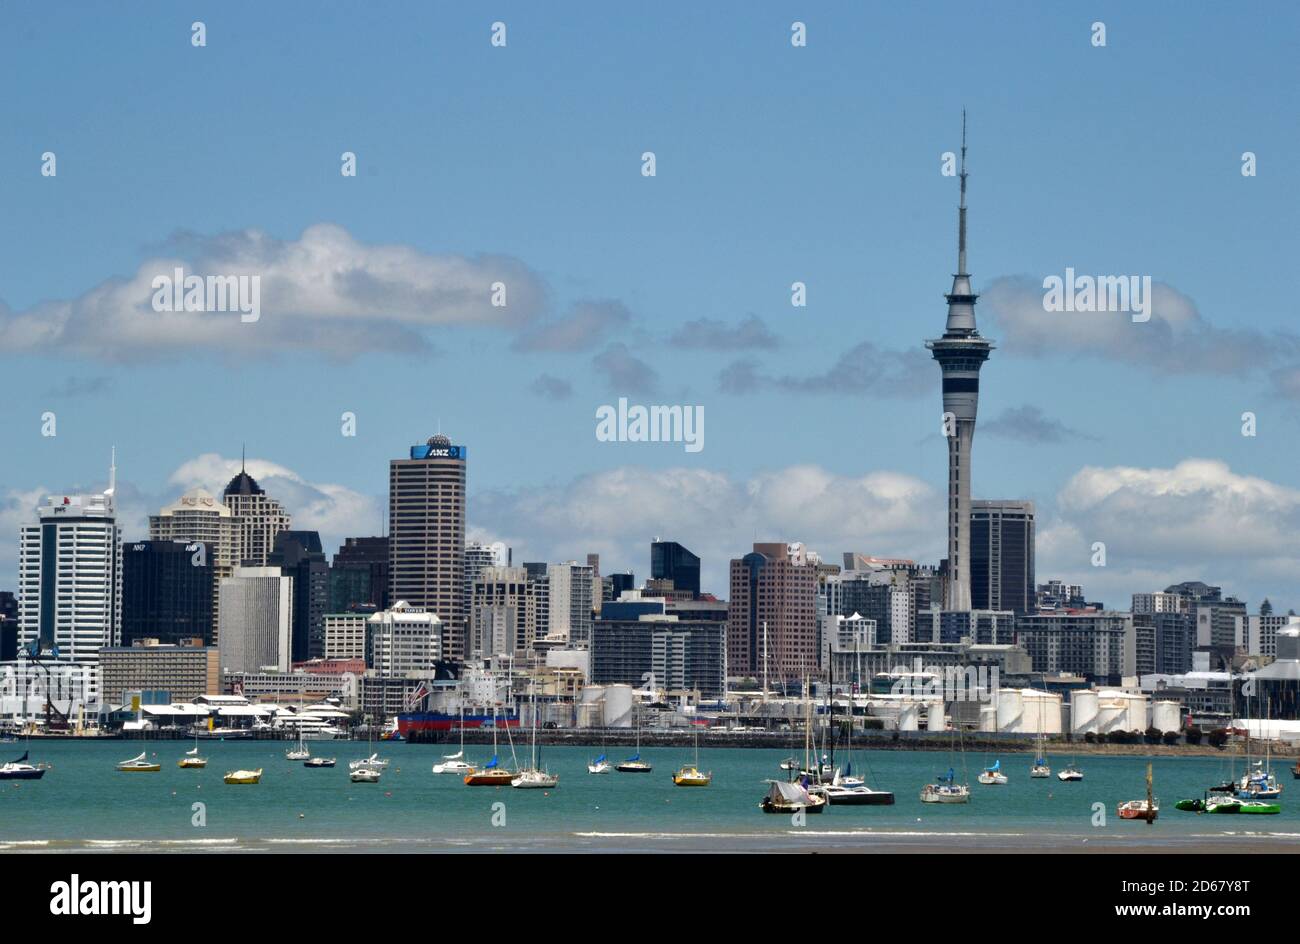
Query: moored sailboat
456, 763
535, 777
139, 765
20, 769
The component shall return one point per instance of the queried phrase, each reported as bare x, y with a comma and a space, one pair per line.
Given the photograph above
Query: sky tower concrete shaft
961, 352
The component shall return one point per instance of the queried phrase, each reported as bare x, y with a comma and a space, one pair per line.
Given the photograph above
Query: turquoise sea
83, 804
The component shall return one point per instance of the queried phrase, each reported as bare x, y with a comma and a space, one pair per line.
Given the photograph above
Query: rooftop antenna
112, 472
961, 209
243, 447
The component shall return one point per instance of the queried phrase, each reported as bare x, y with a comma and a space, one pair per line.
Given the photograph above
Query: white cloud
618, 512
336, 511
1176, 339
1196, 521
324, 292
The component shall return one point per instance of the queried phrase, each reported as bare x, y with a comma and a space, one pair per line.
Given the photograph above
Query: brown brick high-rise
770, 586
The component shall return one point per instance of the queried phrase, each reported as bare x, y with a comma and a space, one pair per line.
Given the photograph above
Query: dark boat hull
36, 774
875, 798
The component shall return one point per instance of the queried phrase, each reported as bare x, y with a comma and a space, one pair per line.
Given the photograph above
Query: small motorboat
1138, 809
244, 776
600, 766
319, 762
1190, 806
1070, 774
692, 776
20, 769
790, 798
993, 776
139, 765
364, 775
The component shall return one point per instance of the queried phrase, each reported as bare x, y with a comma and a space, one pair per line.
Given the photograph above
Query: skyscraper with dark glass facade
166, 591
1002, 556
670, 561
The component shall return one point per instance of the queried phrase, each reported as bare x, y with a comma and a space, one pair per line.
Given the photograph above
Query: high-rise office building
299, 555
70, 576
8, 626
359, 575
571, 602
1163, 641
404, 641
537, 603
1099, 645
1002, 556
479, 556
498, 606
670, 561
961, 352
259, 518
256, 620
199, 516
681, 656
426, 535
1222, 624
772, 615
166, 592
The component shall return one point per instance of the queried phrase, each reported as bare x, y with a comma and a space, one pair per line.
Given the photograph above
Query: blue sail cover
997, 765
600, 759
1040, 762
948, 779
492, 763
634, 757
23, 759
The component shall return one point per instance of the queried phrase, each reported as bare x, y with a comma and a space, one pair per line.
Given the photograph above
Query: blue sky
774, 164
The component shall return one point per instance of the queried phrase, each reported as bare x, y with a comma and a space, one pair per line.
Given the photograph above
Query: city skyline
1131, 439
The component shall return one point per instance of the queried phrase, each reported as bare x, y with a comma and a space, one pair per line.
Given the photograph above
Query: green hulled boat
1259, 806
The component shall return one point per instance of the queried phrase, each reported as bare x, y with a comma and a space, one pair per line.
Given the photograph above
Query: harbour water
83, 804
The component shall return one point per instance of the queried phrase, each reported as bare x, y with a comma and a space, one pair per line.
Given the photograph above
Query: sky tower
961, 352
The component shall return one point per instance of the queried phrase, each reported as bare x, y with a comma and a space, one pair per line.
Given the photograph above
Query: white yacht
373, 762
454, 764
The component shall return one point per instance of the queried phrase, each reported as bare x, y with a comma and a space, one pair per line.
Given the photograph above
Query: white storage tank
618, 706
1041, 713
934, 716
1010, 710
1167, 716
909, 717
1084, 709
988, 719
